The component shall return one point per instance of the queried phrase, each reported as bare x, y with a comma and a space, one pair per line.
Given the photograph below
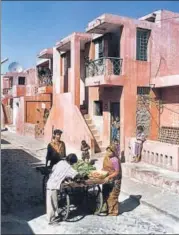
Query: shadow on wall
21, 185
123, 160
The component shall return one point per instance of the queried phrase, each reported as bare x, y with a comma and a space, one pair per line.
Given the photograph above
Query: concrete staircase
99, 148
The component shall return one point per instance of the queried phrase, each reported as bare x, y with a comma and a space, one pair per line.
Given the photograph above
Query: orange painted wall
22, 110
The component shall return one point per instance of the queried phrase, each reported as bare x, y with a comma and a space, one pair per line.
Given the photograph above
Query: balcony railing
7, 91
45, 81
104, 66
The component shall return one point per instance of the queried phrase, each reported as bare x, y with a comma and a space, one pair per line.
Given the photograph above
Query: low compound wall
163, 155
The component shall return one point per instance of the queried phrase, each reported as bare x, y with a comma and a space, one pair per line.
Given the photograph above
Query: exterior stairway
99, 148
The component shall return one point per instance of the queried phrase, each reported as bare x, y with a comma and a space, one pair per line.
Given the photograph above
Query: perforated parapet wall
169, 135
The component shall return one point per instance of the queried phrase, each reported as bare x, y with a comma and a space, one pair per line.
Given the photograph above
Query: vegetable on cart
83, 168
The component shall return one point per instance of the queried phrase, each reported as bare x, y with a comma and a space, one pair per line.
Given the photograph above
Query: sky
29, 27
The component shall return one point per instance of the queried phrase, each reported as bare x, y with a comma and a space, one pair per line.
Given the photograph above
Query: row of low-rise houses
119, 69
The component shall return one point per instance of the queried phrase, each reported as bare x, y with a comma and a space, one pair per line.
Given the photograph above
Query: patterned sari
112, 189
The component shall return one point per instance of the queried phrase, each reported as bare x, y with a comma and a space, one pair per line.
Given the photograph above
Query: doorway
115, 121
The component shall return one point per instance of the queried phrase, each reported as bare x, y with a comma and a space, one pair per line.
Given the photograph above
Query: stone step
87, 116
100, 143
92, 126
97, 137
94, 132
152, 175
88, 121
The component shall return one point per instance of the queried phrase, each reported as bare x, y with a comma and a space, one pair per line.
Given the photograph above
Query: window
99, 48
21, 81
142, 44
98, 108
143, 90
10, 82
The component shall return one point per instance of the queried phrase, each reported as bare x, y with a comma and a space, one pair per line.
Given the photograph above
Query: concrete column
75, 70
128, 112
61, 76
106, 122
56, 74
92, 51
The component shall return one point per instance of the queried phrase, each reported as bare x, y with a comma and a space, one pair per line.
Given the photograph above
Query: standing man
56, 149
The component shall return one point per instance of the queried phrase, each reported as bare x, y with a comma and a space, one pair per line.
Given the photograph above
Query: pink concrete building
16, 85
28, 97
32, 123
122, 69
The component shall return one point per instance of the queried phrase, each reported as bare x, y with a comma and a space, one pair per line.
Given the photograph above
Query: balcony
45, 84
104, 71
45, 81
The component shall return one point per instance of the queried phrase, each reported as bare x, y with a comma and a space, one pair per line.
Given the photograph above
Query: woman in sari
56, 149
112, 186
140, 139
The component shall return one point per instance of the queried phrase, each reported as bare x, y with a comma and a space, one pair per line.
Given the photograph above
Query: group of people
61, 165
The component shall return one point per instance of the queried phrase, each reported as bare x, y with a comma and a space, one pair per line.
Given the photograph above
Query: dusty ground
23, 210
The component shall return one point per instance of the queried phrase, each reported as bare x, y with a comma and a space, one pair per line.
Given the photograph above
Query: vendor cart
85, 193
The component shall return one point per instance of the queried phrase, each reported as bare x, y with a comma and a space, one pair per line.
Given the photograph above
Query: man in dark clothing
56, 149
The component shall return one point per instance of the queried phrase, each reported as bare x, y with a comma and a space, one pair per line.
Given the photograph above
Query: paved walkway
161, 200
23, 211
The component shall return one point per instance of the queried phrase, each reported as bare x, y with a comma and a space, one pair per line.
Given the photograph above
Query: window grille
143, 90
142, 44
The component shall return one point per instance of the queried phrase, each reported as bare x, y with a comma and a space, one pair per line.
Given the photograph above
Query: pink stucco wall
163, 52
66, 116
21, 90
170, 107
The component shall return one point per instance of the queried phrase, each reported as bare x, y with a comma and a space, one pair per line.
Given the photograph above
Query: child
85, 151
116, 142
140, 138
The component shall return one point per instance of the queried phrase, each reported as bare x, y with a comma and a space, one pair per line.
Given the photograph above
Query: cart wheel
95, 199
63, 206
44, 186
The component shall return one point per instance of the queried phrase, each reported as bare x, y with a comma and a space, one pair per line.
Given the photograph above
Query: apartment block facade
120, 70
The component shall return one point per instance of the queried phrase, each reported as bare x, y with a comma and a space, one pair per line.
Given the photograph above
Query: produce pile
98, 174
83, 168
